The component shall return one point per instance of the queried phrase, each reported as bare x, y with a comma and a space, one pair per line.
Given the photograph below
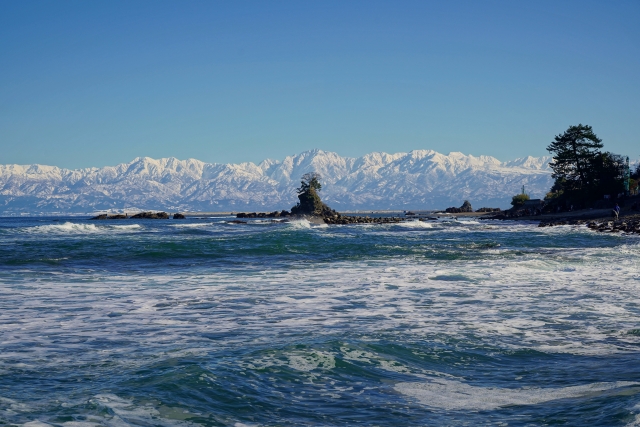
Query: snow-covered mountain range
420, 179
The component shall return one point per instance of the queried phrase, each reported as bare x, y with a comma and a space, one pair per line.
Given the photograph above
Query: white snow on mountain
420, 179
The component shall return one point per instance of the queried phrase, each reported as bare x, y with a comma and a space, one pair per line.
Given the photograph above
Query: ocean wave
80, 228
196, 225
299, 224
124, 227
263, 222
455, 395
420, 320
414, 224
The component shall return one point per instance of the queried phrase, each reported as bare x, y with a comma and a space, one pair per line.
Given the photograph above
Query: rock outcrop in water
274, 214
105, 216
466, 207
311, 207
347, 219
141, 215
151, 215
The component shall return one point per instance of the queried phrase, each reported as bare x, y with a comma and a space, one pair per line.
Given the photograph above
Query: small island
313, 209
140, 215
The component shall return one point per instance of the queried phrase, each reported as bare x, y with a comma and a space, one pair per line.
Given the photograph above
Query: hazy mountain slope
421, 179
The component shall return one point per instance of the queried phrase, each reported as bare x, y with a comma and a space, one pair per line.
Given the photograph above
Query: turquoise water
202, 322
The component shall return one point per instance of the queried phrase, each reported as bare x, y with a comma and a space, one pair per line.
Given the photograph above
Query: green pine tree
574, 154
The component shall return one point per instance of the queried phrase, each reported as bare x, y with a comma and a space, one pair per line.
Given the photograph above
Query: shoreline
599, 220
576, 216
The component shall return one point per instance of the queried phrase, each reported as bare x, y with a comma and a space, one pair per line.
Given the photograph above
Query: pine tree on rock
309, 200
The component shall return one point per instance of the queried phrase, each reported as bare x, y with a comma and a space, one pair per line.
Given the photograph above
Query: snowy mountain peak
420, 179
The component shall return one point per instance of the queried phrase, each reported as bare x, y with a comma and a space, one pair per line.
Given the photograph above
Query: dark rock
106, 216
466, 207
151, 215
274, 214
310, 204
179, 216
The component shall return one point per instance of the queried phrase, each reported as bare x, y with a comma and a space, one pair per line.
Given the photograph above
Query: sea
203, 322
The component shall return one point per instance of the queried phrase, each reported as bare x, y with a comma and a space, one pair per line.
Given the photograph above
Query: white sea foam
414, 224
372, 358
455, 395
125, 227
261, 222
120, 412
514, 302
127, 412
67, 227
299, 224
195, 225
80, 228
38, 423
312, 360
573, 300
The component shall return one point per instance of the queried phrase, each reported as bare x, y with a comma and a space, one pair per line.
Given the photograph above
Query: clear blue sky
93, 83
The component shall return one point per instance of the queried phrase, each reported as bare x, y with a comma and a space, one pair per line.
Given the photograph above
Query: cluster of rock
312, 208
345, 219
466, 207
627, 226
562, 222
274, 214
151, 215
105, 216
488, 210
141, 215
327, 216
514, 213
631, 226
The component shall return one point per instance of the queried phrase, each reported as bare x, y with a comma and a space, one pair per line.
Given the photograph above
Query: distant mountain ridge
420, 179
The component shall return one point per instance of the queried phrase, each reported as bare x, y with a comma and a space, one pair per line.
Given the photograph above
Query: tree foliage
519, 199
310, 180
574, 154
582, 172
608, 174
